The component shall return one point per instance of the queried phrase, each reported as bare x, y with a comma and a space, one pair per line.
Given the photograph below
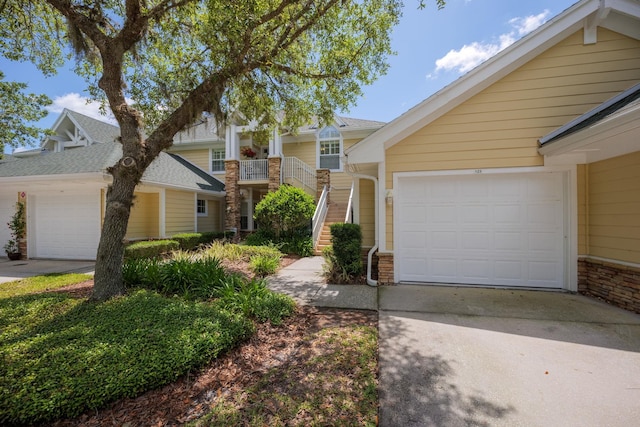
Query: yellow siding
306, 151
211, 222
614, 208
582, 184
199, 158
367, 213
180, 212
143, 221
500, 126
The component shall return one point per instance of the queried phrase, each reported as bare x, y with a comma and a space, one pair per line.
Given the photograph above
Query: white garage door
67, 226
7, 209
497, 229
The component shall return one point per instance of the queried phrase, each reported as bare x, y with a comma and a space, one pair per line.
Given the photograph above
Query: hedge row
184, 241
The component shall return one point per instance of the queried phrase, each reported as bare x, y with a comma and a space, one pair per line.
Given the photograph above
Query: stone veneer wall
232, 189
385, 269
618, 284
274, 173
323, 177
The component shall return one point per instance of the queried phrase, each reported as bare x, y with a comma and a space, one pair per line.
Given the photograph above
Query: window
217, 160
329, 149
201, 207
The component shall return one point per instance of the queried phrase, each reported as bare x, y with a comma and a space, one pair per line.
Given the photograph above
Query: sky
433, 48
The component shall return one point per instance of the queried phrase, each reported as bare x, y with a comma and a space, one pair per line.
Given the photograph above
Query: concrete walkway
461, 356
16, 270
303, 281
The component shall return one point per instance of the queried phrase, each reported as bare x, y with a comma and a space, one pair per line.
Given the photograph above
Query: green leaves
17, 109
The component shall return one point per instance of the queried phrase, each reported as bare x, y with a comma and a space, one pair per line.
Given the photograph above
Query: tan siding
211, 222
180, 212
306, 151
614, 208
367, 213
199, 158
143, 221
582, 209
500, 126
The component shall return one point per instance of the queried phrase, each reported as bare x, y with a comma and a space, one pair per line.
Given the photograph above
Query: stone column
22, 243
385, 268
232, 189
323, 177
274, 173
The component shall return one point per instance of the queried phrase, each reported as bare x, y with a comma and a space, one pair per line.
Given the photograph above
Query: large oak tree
178, 59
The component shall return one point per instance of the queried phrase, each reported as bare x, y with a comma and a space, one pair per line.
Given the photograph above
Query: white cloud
529, 23
472, 55
76, 102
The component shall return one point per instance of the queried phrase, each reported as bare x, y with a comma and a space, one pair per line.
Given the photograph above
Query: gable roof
618, 15
95, 130
166, 170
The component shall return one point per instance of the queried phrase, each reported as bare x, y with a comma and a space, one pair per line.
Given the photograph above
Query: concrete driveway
15, 270
452, 356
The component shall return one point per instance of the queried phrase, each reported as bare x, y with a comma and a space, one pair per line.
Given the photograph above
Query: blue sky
434, 47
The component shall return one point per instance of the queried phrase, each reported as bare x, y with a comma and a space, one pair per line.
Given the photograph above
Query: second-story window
329, 149
217, 160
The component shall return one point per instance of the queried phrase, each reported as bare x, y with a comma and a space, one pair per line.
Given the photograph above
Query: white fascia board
89, 176
479, 78
605, 130
627, 7
182, 188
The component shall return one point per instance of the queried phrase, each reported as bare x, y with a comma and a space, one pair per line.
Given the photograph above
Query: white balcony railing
254, 170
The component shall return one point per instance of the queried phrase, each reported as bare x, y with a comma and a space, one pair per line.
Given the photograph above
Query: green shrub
332, 271
300, 242
346, 240
187, 241
253, 299
209, 236
285, 211
233, 252
263, 265
188, 277
62, 356
150, 249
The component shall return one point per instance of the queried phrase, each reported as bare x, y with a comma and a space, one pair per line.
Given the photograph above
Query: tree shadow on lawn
419, 390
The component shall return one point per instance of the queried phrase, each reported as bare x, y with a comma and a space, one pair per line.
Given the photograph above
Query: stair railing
320, 214
295, 168
348, 218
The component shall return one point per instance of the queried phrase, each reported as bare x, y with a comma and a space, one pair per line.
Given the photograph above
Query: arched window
329, 149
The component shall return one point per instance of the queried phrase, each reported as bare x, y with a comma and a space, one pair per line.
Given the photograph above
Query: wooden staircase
336, 213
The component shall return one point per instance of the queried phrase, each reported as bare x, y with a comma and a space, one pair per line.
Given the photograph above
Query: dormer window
329, 149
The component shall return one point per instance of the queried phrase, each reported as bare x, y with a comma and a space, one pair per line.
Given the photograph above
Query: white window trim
211, 159
319, 140
206, 208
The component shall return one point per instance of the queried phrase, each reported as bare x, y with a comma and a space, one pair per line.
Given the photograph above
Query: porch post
232, 198
274, 173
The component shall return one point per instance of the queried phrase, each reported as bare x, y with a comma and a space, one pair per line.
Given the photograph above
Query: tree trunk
108, 275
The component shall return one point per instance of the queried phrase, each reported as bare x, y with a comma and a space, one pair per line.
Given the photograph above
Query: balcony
254, 170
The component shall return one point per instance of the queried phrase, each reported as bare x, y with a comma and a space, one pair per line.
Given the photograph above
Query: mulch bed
191, 397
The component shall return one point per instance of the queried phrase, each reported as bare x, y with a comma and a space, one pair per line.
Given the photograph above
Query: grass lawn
43, 283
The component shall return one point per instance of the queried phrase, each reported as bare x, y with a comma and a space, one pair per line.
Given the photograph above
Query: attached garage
67, 226
501, 229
